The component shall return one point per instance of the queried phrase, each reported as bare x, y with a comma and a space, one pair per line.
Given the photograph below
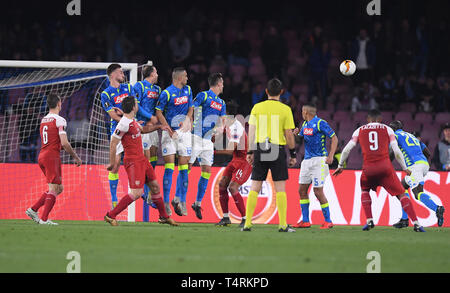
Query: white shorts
418, 173
203, 150
314, 170
150, 139
119, 148
182, 145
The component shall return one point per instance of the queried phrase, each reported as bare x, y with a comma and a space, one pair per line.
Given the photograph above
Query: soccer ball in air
347, 67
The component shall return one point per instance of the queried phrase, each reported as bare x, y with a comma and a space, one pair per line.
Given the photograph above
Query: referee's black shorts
278, 166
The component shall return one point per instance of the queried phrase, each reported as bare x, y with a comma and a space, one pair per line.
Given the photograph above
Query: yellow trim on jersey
168, 95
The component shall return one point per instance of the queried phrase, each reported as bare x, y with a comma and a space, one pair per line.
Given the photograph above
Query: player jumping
375, 139
53, 137
209, 109
416, 155
314, 168
111, 99
237, 171
147, 93
137, 166
176, 104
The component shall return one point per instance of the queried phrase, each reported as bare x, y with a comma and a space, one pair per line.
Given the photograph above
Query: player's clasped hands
296, 131
292, 162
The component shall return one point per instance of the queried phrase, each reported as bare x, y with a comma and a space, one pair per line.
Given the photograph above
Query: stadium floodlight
24, 85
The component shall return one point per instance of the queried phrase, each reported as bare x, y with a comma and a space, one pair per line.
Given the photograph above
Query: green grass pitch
203, 248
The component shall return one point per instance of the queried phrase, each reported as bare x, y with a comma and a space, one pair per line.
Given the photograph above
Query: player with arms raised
375, 139
53, 137
137, 166
237, 171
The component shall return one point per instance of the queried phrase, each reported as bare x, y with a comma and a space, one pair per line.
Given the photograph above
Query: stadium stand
300, 38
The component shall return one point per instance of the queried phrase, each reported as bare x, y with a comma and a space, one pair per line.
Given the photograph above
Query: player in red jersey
375, 139
53, 137
237, 172
138, 168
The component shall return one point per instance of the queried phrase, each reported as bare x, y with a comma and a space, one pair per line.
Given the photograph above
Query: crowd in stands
402, 63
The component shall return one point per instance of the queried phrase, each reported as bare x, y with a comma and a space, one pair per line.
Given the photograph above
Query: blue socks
326, 212
427, 201
304, 204
167, 181
113, 182
184, 181
202, 185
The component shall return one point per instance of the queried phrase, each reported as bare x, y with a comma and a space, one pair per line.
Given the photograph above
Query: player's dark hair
232, 109
111, 68
416, 134
128, 104
214, 79
274, 87
147, 70
52, 101
374, 114
396, 125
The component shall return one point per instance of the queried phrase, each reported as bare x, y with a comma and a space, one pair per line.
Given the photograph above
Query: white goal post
66, 78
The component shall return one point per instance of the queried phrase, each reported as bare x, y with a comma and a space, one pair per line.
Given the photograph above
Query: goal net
24, 86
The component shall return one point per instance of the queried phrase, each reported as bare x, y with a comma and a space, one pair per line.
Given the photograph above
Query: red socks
123, 204
223, 200
239, 203
157, 199
50, 200
237, 199
40, 202
366, 202
408, 208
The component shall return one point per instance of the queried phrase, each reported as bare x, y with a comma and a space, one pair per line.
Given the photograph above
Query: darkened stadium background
301, 42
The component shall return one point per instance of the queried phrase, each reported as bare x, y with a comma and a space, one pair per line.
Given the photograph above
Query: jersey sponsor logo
107, 105
308, 131
181, 100
119, 99
152, 95
134, 136
265, 209
216, 106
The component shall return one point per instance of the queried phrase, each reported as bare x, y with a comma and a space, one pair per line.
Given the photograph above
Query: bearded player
53, 137
137, 166
375, 139
238, 170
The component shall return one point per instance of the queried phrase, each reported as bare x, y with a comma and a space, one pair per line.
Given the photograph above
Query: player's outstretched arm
68, 148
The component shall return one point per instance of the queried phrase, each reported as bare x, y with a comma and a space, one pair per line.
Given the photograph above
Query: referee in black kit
271, 124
